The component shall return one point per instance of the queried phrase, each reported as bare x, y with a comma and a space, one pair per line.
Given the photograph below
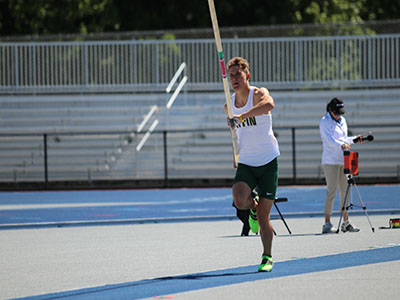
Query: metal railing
178, 155
170, 102
88, 66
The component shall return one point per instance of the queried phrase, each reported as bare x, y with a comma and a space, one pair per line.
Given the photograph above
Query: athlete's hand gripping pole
224, 78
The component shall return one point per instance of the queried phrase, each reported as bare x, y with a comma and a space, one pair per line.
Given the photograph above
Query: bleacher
93, 137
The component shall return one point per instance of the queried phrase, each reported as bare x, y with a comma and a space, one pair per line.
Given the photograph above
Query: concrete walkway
200, 260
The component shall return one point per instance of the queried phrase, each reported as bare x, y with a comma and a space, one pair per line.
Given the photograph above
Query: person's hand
360, 139
232, 123
345, 147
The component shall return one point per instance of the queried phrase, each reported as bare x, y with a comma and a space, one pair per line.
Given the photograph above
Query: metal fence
179, 155
89, 66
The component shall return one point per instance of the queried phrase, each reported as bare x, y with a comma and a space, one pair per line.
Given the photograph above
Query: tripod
279, 212
349, 204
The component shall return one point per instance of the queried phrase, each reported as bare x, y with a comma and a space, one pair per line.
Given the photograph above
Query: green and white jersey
257, 143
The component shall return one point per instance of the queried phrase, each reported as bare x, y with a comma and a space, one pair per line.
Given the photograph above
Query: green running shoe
266, 264
253, 222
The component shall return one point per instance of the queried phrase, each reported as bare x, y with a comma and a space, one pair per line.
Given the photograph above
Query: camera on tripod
350, 169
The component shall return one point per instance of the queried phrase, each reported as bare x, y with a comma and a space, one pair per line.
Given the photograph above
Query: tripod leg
364, 208
284, 222
346, 197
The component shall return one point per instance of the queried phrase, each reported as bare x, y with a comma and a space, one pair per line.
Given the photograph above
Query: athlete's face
238, 77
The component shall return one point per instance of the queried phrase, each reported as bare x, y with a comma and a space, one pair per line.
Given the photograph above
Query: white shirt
257, 143
333, 135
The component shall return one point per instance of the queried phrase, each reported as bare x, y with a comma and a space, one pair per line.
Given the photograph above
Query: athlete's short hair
240, 62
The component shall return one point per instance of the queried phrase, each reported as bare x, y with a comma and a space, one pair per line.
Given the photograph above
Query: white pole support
147, 118
147, 135
175, 77
175, 94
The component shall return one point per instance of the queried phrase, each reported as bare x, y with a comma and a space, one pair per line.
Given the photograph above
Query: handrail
296, 163
177, 91
211, 129
153, 109
168, 105
175, 77
147, 135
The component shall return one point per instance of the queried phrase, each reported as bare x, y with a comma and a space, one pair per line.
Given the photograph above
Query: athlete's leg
241, 193
243, 184
266, 228
267, 186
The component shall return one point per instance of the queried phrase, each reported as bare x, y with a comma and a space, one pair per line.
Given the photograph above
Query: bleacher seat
113, 155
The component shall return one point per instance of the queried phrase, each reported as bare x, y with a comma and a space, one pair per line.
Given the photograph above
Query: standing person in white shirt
333, 130
258, 152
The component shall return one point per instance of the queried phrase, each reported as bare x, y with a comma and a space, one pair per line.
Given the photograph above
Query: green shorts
265, 178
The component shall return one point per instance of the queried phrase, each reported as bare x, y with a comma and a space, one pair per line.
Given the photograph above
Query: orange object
350, 162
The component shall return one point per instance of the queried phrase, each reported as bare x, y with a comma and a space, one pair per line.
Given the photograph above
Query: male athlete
258, 152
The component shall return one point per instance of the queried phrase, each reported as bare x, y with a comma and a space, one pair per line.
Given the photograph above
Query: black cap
337, 106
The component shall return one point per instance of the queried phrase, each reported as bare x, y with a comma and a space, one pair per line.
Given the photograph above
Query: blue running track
85, 207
